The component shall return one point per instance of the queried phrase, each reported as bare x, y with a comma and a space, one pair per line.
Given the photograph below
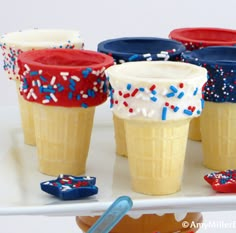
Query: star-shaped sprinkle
223, 181
67, 187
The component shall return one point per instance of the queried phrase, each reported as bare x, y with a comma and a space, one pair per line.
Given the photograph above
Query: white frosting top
14, 43
157, 90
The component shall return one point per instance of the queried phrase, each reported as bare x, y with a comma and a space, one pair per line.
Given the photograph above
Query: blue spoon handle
112, 215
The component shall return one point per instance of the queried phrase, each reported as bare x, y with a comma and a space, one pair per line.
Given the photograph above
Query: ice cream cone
64, 87
119, 129
197, 38
130, 49
194, 129
156, 100
15, 43
218, 119
63, 138
148, 223
218, 127
27, 120
156, 155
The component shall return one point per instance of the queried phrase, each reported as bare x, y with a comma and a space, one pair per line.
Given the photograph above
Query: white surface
21, 193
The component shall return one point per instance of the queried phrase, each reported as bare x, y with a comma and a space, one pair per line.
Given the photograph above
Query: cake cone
194, 130
15, 43
130, 49
27, 120
148, 223
64, 94
156, 155
63, 138
119, 129
157, 102
218, 127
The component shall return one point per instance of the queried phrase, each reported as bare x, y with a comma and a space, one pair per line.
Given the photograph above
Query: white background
98, 20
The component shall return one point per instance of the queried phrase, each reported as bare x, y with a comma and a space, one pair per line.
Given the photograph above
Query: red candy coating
62, 77
195, 38
223, 181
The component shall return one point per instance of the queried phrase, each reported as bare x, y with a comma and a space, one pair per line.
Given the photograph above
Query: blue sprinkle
72, 82
50, 87
154, 92
154, 99
198, 112
202, 103
133, 57
188, 112
72, 87
164, 113
78, 97
129, 86
48, 97
169, 95
181, 94
195, 92
60, 88
48, 90
84, 105
41, 89
105, 88
141, 89
111, 104
86, 72
173, 88
91, 93
176, 109
70, 95
42, 78
33, 73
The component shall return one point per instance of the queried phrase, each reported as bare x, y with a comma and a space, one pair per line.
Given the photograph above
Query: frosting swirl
158, 91
64, 77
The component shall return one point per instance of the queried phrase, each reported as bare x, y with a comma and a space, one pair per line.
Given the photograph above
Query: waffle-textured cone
63, 138
156, 153
218, 129
148, 223
194, 129
119, 130
27, 120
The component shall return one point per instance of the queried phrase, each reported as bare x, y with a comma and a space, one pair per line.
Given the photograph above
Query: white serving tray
20, 192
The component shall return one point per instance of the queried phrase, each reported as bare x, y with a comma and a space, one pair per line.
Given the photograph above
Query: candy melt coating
129, 49
220, 62
14, 43
160, 90
197, 38
64, 77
